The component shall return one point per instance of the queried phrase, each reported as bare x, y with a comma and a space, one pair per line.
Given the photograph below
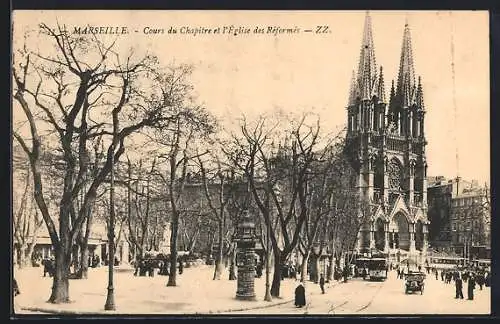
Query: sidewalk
196, 293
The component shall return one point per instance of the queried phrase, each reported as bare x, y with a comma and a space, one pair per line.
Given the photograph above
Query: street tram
361, 264
446, 262
377, 268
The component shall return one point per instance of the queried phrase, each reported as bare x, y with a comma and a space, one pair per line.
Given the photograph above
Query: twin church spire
368, 83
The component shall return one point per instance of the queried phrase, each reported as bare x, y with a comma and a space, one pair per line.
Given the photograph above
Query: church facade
386, 143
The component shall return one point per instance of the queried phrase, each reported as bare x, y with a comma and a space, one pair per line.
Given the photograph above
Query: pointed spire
353, 93
381, 86
406, 86
392, 102
367, 69
420, 95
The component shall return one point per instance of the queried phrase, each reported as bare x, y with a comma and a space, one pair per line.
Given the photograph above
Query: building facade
470, 223
460, 213
440, 192
386, 142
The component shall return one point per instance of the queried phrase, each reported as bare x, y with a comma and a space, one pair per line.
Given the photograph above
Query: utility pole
110, 299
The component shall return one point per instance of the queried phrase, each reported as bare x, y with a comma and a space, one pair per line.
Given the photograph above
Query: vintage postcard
250, 162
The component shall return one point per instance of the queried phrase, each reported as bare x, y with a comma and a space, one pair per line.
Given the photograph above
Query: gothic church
386, 141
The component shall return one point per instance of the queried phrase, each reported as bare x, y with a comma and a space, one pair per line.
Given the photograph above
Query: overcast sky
254, 73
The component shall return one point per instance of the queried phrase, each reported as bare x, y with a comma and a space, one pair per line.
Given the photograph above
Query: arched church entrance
379, 235
403, 231
419, 235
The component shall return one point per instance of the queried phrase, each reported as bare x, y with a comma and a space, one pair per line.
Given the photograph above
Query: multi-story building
386, 141
440, 192
470, 222
459, 212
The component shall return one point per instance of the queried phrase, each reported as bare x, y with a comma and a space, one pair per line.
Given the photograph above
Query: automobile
415, 282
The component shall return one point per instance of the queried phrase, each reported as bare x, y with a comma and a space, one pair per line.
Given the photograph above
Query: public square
197, 293
150, 168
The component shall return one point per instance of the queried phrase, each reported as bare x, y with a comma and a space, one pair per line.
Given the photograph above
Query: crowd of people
148, 266
471, 276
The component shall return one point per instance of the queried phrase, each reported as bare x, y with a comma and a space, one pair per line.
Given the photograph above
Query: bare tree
177, 146
142, 231
282, 176
217, 200
323, 181
26, 221
75, 87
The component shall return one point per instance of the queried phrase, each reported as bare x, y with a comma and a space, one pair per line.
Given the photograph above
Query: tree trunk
21, 257
232, 266
84, 247
315, 268
29, 253
60, 285
331, 266
84, 256
219, 266
303, 267
278, 265
75, 254
173, 251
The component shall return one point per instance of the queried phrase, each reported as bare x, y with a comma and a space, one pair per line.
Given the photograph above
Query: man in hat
471, 284
458, 287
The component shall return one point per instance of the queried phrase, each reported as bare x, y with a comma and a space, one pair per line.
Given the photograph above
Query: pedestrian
322, 283
258, 270
436, 273
458, 288
471, 284
346, 273
480, 280
181, 266
136, 267
399, 274
15, 288
151, 267
465, 276
300, 296
442, 275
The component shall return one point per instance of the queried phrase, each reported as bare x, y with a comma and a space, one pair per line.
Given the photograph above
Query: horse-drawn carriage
415, 282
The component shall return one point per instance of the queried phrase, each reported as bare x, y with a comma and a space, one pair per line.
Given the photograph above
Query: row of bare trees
302, 184
83, 108
84, 101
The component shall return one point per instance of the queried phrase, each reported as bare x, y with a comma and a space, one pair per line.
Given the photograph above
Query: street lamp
110, 299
